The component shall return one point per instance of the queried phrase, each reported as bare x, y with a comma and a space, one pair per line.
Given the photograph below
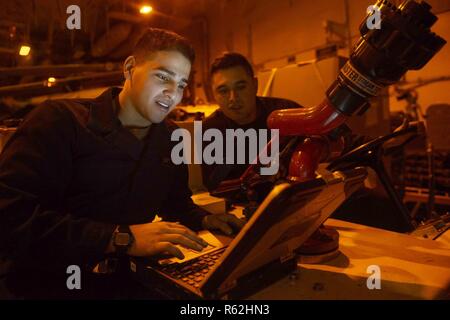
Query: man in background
234, 87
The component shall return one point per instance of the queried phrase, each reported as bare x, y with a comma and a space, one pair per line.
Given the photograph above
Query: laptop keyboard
193, 271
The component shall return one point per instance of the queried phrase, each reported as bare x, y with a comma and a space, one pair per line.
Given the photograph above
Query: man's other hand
224, 222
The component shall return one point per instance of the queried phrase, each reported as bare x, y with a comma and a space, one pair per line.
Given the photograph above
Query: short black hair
229, 60
155, 39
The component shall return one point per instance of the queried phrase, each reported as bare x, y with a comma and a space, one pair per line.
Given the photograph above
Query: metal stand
371, 155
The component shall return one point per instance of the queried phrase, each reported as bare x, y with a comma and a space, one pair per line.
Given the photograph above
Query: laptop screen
286, 218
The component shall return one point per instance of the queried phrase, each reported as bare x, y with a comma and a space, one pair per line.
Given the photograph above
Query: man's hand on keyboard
162, 237
224, 222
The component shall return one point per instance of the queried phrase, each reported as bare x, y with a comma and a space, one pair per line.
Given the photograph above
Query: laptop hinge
227, 286
287, 257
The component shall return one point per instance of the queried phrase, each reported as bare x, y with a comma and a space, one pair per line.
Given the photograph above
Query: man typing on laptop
81, 180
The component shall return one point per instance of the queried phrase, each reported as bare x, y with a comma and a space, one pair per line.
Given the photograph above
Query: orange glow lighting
24, 50
146, 9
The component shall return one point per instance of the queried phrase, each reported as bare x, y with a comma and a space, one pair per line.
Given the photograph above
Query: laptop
264, 249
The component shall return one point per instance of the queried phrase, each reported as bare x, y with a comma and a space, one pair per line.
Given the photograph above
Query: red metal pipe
306, 158
317, 120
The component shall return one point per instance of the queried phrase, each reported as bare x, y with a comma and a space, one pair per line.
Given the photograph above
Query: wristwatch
122, 239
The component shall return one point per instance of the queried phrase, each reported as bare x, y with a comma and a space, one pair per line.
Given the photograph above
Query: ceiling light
146, 9
24, 50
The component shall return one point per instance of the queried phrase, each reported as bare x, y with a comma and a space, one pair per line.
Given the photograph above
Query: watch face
122, 239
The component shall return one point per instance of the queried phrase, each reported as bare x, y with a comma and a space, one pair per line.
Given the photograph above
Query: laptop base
244, 287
